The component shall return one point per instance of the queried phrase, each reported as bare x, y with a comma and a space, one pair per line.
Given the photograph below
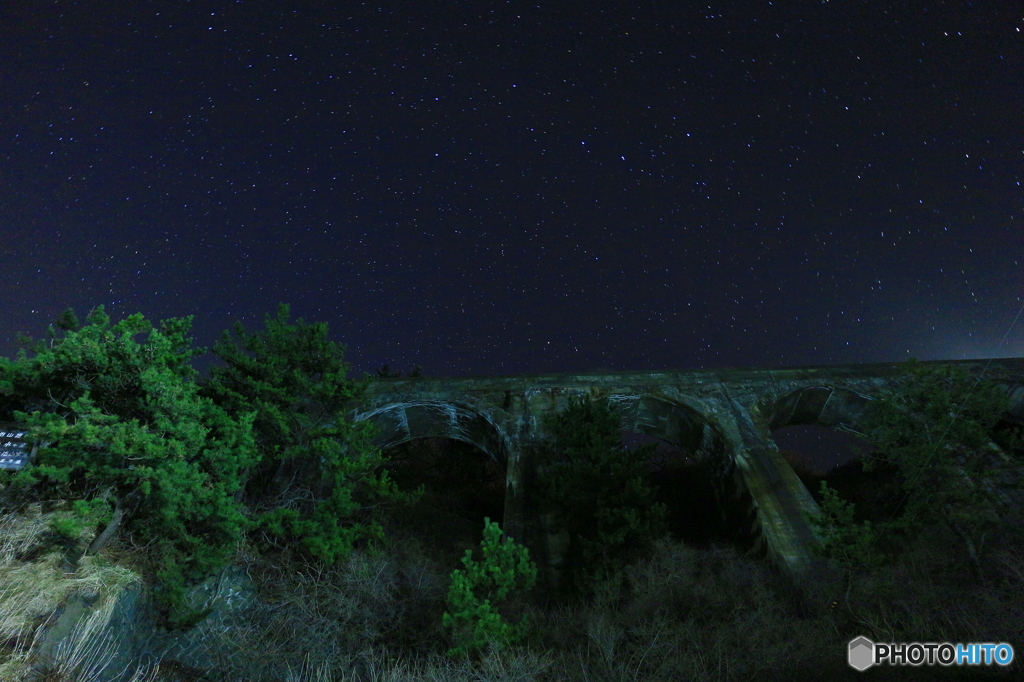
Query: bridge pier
514, 522
779, 498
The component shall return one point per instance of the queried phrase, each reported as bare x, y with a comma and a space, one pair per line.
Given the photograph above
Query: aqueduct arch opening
830, 413
403, 421
831, 406
703, 487
457, 454
422, 427
681, 424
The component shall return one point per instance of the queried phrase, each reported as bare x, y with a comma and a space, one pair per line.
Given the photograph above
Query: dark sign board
15, 450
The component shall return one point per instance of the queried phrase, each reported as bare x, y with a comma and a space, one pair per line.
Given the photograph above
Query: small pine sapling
843, 540
478, 589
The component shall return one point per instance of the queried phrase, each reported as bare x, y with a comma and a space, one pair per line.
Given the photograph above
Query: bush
843, 540
934, 426
478, 589
684, 613
598, 488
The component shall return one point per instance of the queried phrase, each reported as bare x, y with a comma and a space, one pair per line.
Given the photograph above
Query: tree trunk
108, 532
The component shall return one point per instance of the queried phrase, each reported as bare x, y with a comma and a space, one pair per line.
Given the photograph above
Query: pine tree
598, 488
129, 441
934, 426
295, 381
479, 589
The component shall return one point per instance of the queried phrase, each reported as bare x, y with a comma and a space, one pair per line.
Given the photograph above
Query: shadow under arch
674, 422
687, 428
402, 422
830, 406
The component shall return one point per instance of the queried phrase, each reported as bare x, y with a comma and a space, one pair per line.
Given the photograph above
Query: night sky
485, 188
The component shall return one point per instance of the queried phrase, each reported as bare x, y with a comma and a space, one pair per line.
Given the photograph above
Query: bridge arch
672, 421
692, 427
399, 422
830, 406
689, 428
819, 409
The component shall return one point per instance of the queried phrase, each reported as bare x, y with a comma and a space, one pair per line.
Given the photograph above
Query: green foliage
597, 487
843, 540
293, 378
85, 516
123, 422
935, 426
478, 589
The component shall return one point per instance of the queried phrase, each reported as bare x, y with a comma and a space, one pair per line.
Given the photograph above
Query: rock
132, 639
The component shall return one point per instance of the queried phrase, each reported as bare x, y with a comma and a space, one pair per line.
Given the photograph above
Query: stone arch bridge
725, 416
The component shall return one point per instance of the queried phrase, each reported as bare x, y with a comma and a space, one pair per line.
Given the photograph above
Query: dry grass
687, 614
338, 618
507, 666
85, 653
682, 614
34, 586
931, 594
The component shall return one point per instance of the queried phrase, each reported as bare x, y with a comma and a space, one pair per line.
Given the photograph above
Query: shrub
294, 380
934, 427
598, 489
477, 590
843, 540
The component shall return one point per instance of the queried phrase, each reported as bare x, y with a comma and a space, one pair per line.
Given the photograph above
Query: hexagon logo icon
861, 654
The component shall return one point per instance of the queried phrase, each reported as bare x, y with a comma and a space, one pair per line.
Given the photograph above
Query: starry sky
485, 188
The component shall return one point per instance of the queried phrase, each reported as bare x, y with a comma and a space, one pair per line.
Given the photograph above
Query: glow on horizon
975, 349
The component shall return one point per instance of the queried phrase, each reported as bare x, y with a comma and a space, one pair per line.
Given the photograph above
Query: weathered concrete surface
726, 416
